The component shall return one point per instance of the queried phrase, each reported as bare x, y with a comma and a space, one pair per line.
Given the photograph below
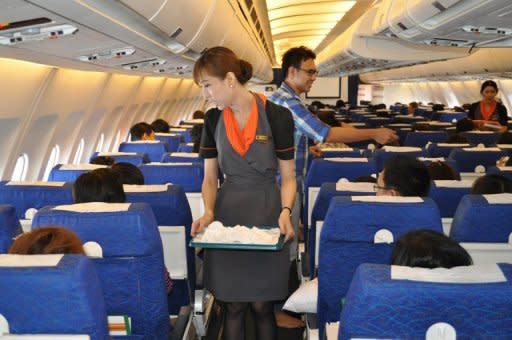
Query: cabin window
100, 143
52, 161
79, 152
20, 169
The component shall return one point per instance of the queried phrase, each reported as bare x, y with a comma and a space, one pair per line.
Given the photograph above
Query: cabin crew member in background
250, 138
142, 131
299, 73
488, 110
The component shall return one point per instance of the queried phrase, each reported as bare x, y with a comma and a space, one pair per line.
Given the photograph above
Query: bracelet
289, 209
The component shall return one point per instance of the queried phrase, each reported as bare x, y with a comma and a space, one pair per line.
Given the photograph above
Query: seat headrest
483, 273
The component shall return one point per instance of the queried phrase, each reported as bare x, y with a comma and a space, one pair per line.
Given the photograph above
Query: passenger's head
142, 131
195, 135
489, 90
100, 185
463, 125
47, 240
328, 117
160, 125
442, 171
403, 176
411, 109
299, 69
429, 249
128, 173
340, 103
365, 179
491, 184
102, 160
198, 114
220, 73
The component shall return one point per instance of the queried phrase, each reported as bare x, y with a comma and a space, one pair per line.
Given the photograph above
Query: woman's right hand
201, 223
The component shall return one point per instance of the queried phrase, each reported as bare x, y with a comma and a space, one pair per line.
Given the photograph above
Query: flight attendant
250, 139
488, 110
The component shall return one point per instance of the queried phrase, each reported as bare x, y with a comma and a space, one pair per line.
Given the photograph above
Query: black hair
195, 135
340, 103
442, 171
366, 179
491, 184
160, 125
198, 114
294, 57
464, 124
139, 129
429, 249
407, 175
100, 185
413, 105
328, 117
128, 173
490, 83
218, 61
102, 160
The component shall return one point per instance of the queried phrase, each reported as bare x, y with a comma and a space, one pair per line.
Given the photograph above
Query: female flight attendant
488, 110
250, 139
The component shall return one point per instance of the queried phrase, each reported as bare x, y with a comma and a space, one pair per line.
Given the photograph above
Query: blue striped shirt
307, 125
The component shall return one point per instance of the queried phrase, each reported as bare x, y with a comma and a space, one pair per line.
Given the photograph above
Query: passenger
195, 135
464, 125
488, 110
365, 179
47, 240
403, 176
328, 118
491, 184
429, 249
100, 185
249, 195
411, 109
160, 125
340, 104
299, 73
128, 173
142, 131
102, 160
442, 171
198, 114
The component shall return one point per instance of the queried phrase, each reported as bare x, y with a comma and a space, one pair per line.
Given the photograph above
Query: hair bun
245, 71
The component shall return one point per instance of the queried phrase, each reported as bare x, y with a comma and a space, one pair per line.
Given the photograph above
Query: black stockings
264, 320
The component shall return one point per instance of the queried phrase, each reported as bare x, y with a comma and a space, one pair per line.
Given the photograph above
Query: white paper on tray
218, 233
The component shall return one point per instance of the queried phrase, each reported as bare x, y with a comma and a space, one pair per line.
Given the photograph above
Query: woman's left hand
285, 224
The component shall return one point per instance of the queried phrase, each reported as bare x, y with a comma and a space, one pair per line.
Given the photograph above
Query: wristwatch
289, 209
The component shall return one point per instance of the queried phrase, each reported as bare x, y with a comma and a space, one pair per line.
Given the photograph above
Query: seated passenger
195, 134
491, 184
160, 125
100, 185
411, 109
142, 131
403, 176
48, 240
102, 160
429, 249
442, 171
128, 173
464, 125
328, 118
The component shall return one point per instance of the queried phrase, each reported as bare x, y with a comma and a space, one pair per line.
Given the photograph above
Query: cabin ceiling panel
292, 19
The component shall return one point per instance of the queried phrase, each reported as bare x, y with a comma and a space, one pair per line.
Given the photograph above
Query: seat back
70, 172
10, 226
182, 157
487, 138
51, 294
443, 149
468, 159
188, 175
421, 138
380, 156
173, 140
131, 270
483, 218
154, 149
125, 157
381, 304
27, 195
183, 132
363, 229
172, 212
447, 195
186, 147
501, 170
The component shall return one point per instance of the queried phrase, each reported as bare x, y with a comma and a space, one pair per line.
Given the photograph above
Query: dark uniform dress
249, 196
499, 114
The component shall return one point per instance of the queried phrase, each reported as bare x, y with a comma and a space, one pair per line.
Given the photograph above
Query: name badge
262, 138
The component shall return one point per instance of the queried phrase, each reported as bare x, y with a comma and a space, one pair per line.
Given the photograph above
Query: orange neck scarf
487, 114
241, 140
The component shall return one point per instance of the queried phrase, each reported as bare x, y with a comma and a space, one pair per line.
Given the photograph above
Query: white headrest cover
504, 198
356, 187
145, 188
10, 260
483, 273
83, 166
389, 148
387, 199
94, 207
185, 154
347, 159
38, 183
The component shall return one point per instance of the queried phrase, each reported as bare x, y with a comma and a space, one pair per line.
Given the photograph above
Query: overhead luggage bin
359, 50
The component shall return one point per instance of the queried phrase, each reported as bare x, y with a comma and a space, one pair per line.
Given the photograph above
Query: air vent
36, 34
402, 26
175, 34
487, 30
108, 54
439, 6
